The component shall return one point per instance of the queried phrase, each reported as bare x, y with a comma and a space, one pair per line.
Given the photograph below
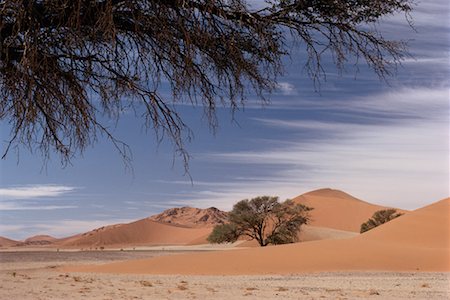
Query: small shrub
378, 218
146, 283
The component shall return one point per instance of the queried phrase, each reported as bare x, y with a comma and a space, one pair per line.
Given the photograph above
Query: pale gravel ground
33, 276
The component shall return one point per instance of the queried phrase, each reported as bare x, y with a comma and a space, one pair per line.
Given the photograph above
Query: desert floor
34, 275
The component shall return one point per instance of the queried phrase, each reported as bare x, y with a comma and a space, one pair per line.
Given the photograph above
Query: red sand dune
338, 210
192, 217
322, 226
335, 215
142, 232
5, 242
201, 240
40, 240
310, 233
418, 241
314, 233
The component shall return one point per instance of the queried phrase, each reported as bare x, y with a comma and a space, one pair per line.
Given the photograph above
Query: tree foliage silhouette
65, 65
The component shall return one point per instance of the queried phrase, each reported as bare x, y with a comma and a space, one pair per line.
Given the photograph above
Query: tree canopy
380, 217
66, 64
264, 219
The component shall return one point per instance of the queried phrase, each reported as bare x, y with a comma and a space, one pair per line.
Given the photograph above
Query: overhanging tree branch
65, 63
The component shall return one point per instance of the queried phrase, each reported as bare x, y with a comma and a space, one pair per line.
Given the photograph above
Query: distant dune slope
40, 240
310, 233
389, 247
142, 232
335, 215
5, 242
192, 217
315, 233
426, 227
336, 209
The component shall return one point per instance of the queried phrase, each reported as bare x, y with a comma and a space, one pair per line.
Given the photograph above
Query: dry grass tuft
146, 283
182, 287
374, 292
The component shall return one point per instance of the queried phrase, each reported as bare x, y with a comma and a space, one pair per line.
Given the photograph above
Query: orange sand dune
335, 215
5, 242
427, 227
419, 241
142, 232
192, 217
312, 233
338, 210
201, 240
40, 240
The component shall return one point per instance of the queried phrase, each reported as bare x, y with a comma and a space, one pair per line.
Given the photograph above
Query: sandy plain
36, 275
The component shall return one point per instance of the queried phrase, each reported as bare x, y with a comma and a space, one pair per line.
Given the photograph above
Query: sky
383, 142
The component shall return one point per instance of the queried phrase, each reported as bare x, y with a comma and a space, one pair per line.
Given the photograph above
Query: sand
338, 210
191, 216
309, 233
32, 275
407, 258
40, 238
336, 215
142, 232
418, 241
5, 242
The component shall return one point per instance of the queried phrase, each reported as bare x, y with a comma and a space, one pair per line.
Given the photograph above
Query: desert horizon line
97, 224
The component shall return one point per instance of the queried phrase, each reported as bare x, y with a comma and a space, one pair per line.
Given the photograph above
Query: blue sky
384, 143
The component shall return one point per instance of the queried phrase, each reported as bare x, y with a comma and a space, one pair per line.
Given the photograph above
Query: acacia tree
378, 218
264, 219
67, 64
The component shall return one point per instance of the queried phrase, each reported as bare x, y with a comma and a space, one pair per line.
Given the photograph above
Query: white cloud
397, 102
286, 88
34, 191
5, 229
224, 198
310, 125
69, 227
426, 60
400, 159
9, 206
419, 102
9, 197
59, 229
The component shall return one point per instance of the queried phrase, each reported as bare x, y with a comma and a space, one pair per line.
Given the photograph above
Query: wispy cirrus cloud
34, 191
286, 88
22, 197
393, 139
58, 229
10, 206
68, 227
